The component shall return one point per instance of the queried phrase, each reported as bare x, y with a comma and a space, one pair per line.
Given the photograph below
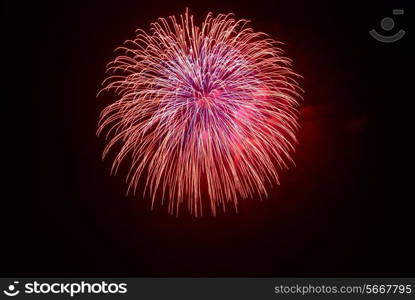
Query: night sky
346, 209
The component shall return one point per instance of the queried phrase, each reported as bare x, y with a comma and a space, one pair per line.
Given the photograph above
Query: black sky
346, 209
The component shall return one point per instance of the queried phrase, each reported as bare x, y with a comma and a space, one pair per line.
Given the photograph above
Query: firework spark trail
210, 106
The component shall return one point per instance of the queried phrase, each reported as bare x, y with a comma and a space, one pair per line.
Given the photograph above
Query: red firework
212, 106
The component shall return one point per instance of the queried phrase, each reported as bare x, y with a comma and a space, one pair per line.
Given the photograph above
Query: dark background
346, 209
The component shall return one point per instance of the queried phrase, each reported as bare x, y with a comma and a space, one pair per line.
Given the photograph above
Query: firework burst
205, 115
